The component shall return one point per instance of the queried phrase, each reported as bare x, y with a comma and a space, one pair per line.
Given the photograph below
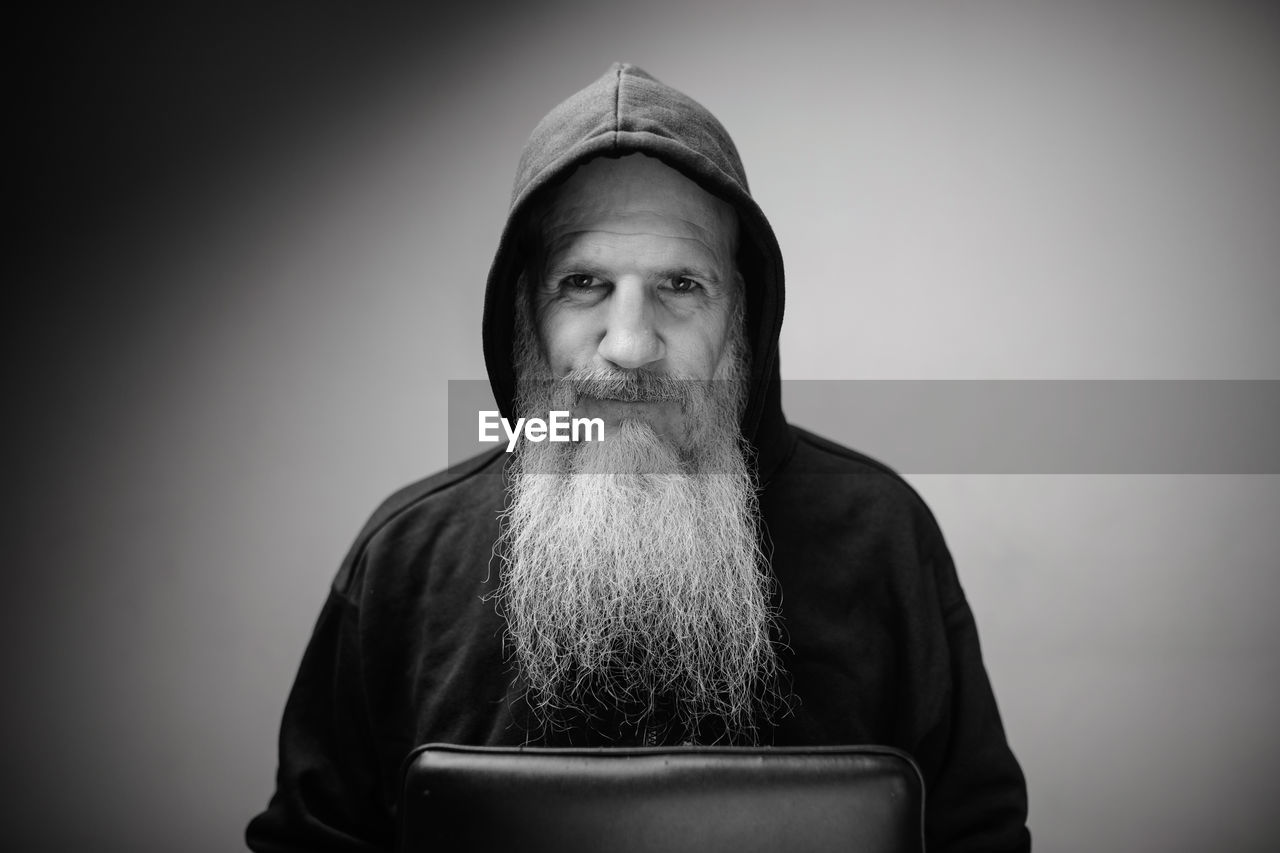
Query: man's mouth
639, 397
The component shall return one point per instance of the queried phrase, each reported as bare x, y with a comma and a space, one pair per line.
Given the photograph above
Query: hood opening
627, 111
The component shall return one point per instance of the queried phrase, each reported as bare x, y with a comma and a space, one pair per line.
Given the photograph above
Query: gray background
249, 254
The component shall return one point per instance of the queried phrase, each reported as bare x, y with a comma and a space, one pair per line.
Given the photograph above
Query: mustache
630, 386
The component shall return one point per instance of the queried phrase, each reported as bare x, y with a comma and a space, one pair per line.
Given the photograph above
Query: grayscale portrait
686, 426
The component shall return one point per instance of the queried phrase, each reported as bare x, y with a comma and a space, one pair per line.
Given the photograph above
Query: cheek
699, 351
566, 340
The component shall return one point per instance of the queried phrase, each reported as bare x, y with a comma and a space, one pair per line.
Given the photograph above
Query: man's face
638, 274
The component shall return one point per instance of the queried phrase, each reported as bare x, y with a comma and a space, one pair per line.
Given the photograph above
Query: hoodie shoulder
841, 479
827, 455
471, 491
478, 471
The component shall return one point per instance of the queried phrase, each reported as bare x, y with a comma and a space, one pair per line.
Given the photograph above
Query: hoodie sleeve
327, 786
976, 799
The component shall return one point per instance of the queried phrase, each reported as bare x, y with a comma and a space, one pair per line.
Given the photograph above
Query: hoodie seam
617, 108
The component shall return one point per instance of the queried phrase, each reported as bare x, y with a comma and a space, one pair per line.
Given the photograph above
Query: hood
627, 111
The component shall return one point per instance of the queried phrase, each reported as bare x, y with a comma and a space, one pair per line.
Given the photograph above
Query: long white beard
632, 580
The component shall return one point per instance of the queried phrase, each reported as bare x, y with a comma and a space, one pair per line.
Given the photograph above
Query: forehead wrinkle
570, 236
606, 192
565, 213
564, 230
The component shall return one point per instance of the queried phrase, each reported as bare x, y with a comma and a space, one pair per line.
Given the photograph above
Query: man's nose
631, 339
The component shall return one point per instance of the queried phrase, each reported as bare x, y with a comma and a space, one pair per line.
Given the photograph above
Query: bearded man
705, 574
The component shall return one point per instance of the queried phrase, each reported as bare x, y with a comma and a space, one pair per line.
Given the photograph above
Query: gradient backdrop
248, 249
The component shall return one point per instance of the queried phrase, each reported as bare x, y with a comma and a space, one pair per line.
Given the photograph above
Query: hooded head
626, 112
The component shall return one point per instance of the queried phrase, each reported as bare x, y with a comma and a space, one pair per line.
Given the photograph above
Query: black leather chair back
859, 799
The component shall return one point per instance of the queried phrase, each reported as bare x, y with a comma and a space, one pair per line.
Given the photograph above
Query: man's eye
684, 285
577, 281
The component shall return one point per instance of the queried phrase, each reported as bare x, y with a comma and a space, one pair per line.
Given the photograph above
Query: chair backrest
858, 799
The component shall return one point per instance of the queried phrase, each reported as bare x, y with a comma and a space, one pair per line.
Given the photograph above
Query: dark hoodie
881, 646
